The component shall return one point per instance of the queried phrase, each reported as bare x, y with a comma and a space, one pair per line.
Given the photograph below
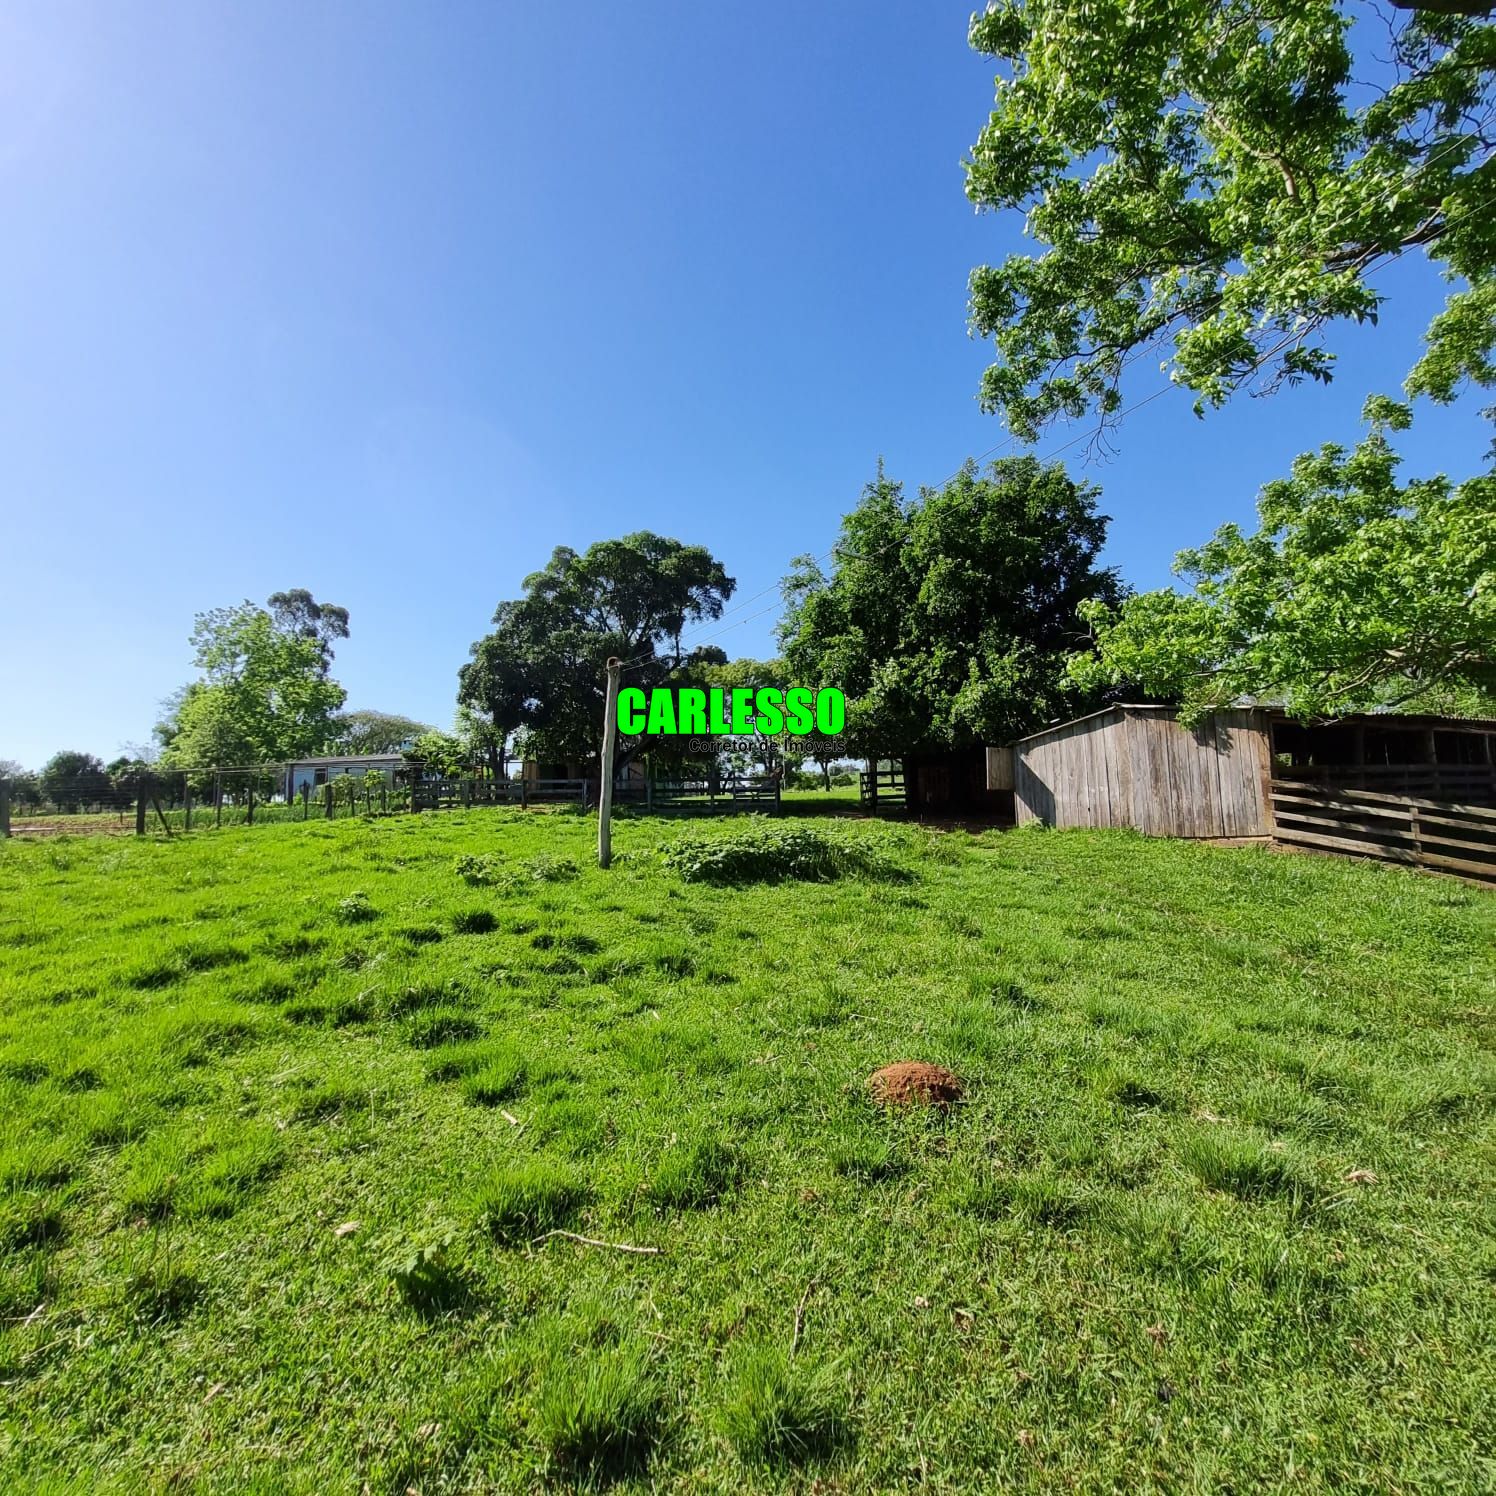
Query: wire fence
171, 802
155, 800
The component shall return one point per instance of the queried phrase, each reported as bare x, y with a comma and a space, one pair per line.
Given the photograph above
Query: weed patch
762, 851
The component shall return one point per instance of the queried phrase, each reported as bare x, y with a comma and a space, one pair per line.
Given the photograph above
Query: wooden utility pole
610, 739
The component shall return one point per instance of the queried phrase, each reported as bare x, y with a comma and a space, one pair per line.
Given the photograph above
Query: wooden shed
1136, 766
1249, 771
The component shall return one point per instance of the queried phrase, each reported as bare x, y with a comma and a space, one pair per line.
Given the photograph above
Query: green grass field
288, 1113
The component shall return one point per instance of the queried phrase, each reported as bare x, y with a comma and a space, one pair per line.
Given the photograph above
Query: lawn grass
288, 1113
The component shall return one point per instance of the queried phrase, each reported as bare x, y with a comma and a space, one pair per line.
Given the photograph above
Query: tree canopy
367, 731
264, 694
440, 752
298, 612
1355, 592
1226, 176
72, 778
542, 667
948, 620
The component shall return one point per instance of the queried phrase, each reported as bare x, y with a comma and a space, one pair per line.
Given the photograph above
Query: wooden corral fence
1443, 835
883, 787
1474, 784
726, 792
451, 794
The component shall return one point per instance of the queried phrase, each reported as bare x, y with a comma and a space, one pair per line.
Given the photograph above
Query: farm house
1415, 789
311, 773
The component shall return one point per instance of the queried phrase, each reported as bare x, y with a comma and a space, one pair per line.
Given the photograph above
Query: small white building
315, 772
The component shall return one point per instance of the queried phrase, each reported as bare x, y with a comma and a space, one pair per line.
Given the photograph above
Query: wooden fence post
186, 804
4, 807
327, 799
140, 800
249, 818
217, 798
605, 795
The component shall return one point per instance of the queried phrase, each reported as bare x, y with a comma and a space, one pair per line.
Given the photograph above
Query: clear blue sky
388, 300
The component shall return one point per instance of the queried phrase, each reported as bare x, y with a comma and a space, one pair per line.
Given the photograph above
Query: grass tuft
474, 921
526, 1199
599, 1413
161, 1292
437, 1026
776, 1411
695, 1173
1246, 1166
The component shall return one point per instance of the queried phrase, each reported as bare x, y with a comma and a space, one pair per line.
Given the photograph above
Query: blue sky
388, 300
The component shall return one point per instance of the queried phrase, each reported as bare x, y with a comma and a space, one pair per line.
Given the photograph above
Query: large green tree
264, 694
542, 667
948, 620
1220, 180
1357, 591
71, 779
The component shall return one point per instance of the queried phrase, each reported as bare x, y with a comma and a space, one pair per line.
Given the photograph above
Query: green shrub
758, 850
426, 1278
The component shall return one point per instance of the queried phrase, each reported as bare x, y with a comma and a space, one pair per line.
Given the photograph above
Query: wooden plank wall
1138, 767
1204, 783
1074, 775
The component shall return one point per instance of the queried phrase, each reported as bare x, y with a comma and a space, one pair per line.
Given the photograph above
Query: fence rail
726, 792
1443, 835
1471, 783
882, 787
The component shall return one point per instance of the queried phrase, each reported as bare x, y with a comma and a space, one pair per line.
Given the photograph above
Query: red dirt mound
911, 1081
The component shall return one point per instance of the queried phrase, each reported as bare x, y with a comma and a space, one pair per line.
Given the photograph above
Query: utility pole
610, 739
